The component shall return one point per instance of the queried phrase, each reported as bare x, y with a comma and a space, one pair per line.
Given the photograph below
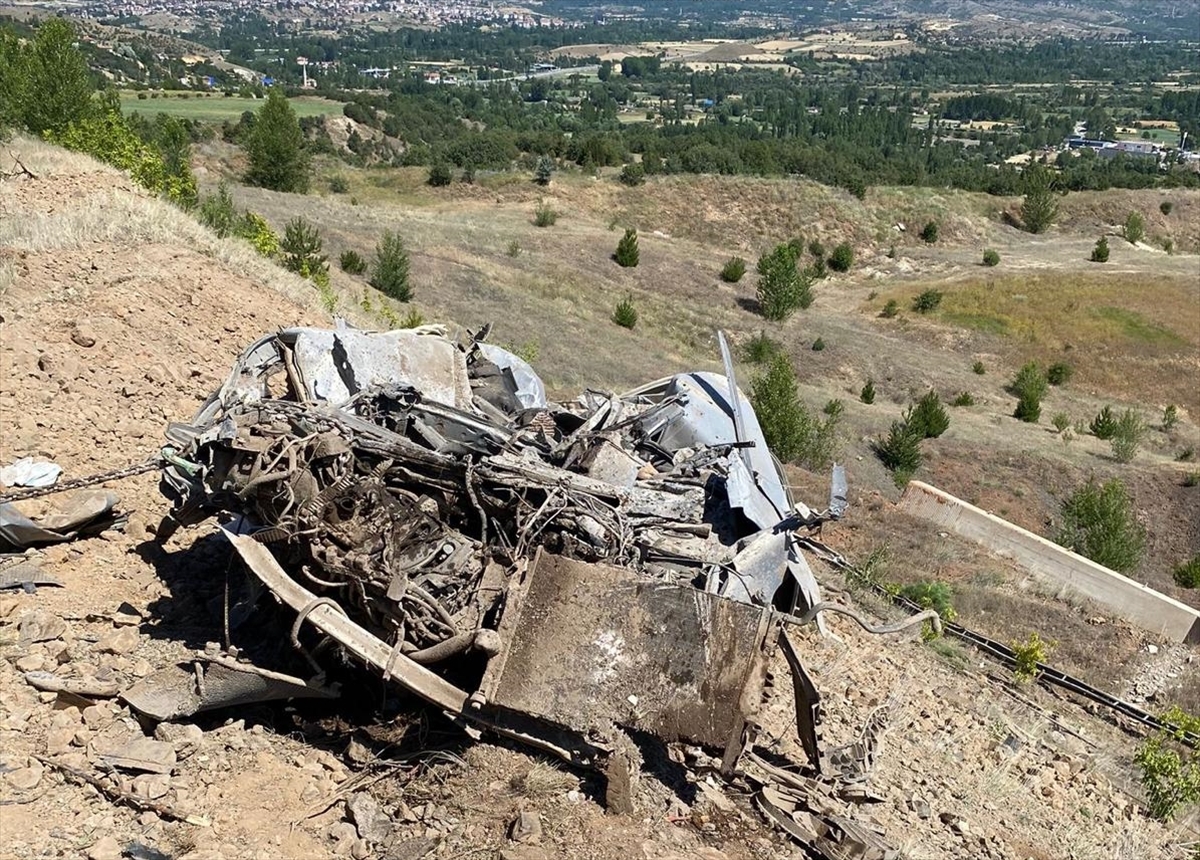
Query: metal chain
78, 483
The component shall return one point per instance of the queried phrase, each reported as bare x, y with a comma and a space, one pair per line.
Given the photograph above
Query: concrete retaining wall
1051, 563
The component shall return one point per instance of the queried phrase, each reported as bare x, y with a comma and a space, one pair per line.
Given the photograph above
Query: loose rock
105, 848
368, 818
526, 827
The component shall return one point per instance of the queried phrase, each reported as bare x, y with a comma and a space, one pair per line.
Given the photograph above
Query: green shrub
1186, 454
964, 399
991, 258
900, 452
514, 249
1030, 387
1170, 417
254, 229
978, 369
338, 184
929, 233
440, 175
625, 315
927, 301
869, 574
928, 417
1134, 229
320, 278
818, 344
413, 319
217, 212
890, 309
931, 594
627, 254
544, 170
1028, 655
782, 287
1170, 771
1098, 522
633, 174
1191, 479
834, 408
1061, 421
1165, 207
106, 135
1187, 574
1127, 437
1104, 425
544, 215
1059, 373
1100, 252
817, 249
352, 262
792, 434
867, 395
761, 349
301, 249
842, 258
390, 273
733, 270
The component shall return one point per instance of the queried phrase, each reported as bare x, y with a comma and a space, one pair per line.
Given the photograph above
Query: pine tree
1040, 207
275, 146
627, 250
544, 170
782, 286
390, 273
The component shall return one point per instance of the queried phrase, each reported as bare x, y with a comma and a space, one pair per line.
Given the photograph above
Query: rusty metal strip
358, 641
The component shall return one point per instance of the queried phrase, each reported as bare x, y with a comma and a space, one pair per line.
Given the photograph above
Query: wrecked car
557, 573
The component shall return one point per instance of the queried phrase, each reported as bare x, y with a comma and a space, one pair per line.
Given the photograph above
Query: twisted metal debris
555, 572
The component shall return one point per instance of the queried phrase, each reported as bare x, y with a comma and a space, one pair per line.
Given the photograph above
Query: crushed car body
554, 572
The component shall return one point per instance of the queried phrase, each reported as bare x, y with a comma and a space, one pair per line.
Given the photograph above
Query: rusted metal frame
413, 676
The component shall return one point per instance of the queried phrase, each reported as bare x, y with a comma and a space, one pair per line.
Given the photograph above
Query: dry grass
1096, 212
542, 780
1134, 335
44, 158
8, 274
120, 216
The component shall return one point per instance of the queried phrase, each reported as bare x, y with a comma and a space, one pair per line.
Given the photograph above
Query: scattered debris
111, 790
556, 573
87, 513
26, 575
211, 682
28, 472
87, 688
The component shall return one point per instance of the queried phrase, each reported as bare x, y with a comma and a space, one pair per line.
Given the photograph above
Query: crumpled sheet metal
87, 512
593, 645
209, 683
409, 481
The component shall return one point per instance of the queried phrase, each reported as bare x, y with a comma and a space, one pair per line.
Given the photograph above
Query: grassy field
1122, 331
216, 107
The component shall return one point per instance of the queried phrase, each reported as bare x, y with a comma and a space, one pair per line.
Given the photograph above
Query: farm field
215, 107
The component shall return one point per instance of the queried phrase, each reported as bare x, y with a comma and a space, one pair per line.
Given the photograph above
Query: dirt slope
120, 314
